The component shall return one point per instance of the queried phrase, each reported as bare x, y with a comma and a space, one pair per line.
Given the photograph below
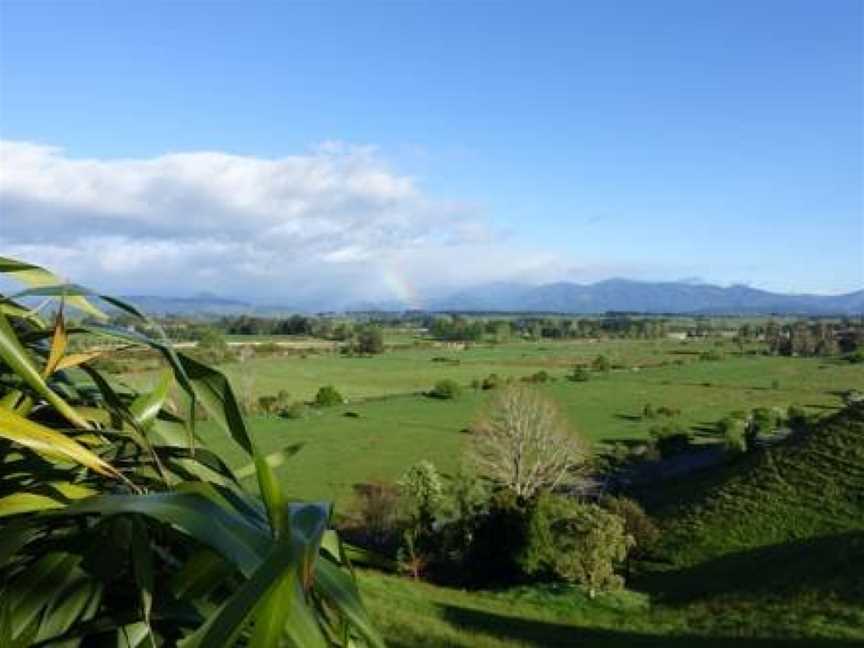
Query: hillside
782, 535
809, 486
771, 555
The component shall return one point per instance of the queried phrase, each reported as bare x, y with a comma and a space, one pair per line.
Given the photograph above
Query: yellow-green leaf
50, 443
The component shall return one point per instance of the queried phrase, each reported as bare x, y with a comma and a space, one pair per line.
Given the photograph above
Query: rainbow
398, 284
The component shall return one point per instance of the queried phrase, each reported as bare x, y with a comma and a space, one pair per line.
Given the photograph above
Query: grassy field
416, 368
394, 427
740, 574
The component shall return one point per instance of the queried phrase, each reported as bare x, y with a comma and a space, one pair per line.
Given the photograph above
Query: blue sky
460, 142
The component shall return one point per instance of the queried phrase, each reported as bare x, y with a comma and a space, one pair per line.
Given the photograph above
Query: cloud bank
333, 226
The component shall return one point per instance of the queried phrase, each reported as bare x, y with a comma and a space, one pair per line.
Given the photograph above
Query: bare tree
522, 442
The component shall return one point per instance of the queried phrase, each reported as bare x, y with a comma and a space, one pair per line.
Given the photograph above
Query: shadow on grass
549, 633
831, 565
628, 417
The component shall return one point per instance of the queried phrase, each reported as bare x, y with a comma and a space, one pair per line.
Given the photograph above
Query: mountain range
622, 295
647, 297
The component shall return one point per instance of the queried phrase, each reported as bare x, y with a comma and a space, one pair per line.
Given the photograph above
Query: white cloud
333, 222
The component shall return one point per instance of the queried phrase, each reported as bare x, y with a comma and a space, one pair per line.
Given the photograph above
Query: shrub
537, 377
497, 541
710, 356
601, 363
267, 404
637, 523
377, 506
446, 389
733, 431
575, 542
671, 439
856, 357
492, 381
295, 410
580, 374
668, 412
328, 396
212, 347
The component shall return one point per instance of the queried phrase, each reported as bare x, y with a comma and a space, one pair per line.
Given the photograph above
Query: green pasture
377, 437
413, 369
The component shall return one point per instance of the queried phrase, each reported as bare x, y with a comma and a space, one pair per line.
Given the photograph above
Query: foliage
492, 381
855, 357
295, 410
637, 523
601, 363
446, 389
422, 486
328, 396
538, 377
369, 339
580, 374
522, 443
497, 540
733, 430
212, 347
377, 505
277, 404
120, 526
576, 542
671, 438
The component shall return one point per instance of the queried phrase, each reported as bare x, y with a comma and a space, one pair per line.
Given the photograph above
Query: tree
576, 542
369, 340
522, 443
422, 486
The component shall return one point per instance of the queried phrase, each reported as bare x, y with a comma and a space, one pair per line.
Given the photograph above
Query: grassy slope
779, 537
420, 615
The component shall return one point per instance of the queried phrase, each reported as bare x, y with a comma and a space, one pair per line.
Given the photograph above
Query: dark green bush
671, 439
537, 377
580, 374
446, 389
733, 431
637, 523
328, 396
492, 381
601, 363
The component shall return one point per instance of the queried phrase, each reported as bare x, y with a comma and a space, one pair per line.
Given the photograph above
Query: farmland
396, 425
